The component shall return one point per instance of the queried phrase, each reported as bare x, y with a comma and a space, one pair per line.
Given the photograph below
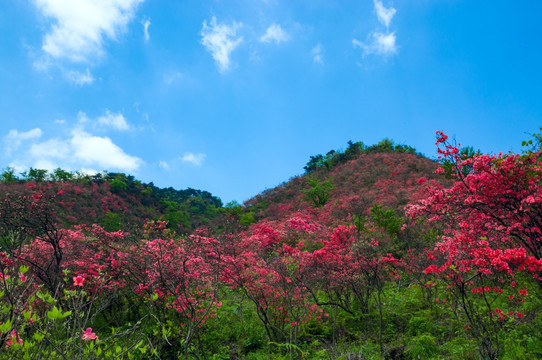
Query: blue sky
233, 97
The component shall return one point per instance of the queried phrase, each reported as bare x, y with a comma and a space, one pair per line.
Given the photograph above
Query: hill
350, 183
113, 200
375, 252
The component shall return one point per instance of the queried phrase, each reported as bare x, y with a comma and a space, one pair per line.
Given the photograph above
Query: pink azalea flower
14, 339
78, 280
89, 335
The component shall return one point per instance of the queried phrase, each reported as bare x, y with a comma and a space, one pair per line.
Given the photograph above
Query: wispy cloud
17, 137
196, 159
275, 34
378, 44
14, 138
80, 27
385, 15
79, 78
220, 40
116, 120
317, 55
146, 23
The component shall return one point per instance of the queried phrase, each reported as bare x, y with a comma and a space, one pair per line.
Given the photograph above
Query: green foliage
315, 162
423, 347
61, 175
532, 145
418, 325
37, 175
112, 221
246, 218
318, 192
386, 219
8, 176
118, 186
147, 191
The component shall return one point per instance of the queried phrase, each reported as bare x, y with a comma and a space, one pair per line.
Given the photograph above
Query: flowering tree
32, 218
179, 279
491, 243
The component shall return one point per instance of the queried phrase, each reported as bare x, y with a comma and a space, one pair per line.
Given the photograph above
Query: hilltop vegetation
113, 200
374, 253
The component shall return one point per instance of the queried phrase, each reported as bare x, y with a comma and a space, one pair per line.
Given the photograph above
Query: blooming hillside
371, 254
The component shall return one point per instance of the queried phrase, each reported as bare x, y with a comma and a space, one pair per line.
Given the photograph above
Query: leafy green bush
423, 347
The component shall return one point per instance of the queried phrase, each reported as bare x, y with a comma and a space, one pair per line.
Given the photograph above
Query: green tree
8, 176
37, 175
318, 192
314, 163
386, 219
354, 149
112, 221
246, 218
118, 186
61, 175
385, 145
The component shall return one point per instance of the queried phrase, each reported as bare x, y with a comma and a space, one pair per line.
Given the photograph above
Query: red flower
78, 280
89, 335
14, 339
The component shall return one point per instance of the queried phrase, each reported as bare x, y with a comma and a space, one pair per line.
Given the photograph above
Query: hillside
384, 174
390, 179
113, 200
374, 253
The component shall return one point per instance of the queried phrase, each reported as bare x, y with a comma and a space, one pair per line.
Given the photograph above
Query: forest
375, 252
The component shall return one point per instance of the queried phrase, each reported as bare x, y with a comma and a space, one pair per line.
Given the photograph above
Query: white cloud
146, 25
114, 120
317, 56
220, 40
50, 149
79, 78
276, 34
101, 151
164, 165
78, 150
380, 44
80, 27
196, 159
385, 15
